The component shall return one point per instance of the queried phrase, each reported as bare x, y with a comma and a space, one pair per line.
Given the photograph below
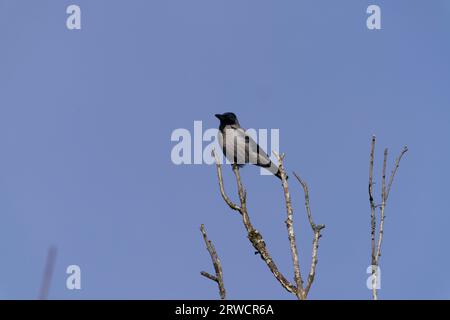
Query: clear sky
86, 118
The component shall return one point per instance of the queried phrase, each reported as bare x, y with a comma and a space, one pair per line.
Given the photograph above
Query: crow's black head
228, 118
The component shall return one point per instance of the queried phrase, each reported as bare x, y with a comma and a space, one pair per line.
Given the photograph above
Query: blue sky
86, 118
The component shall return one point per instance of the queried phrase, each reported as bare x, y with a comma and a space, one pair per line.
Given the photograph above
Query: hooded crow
239, 147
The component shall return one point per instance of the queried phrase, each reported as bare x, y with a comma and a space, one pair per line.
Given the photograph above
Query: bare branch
218, 278
372, 218
376, 250
257, 240
382, 206
371, 199
254, 236
385, 195
290, 228
241, 191
222, 188
316, 230
208, 275
397, 164
383, 176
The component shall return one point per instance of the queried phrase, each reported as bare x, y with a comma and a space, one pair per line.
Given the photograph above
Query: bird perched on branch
239, 147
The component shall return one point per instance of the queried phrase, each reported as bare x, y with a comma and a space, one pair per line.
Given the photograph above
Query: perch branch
230, 203
254, 236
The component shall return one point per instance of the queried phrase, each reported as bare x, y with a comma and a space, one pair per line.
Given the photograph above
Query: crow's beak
218, 116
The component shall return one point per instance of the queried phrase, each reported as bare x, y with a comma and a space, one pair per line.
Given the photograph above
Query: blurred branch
218, 278
385, 190
48, 273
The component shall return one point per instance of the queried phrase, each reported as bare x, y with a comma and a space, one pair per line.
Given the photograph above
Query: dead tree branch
316, 230
385, 190
257, 240
372, 219
255, 237
290, 228
218, 278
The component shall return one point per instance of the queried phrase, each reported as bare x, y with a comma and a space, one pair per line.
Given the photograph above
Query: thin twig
397, 164
218, 278
385, 194
230, 203
242, 195
382, 207
316, 230
208, 275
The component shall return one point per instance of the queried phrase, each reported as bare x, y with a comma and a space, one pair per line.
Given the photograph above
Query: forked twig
385, 190
316, 230
218, 278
